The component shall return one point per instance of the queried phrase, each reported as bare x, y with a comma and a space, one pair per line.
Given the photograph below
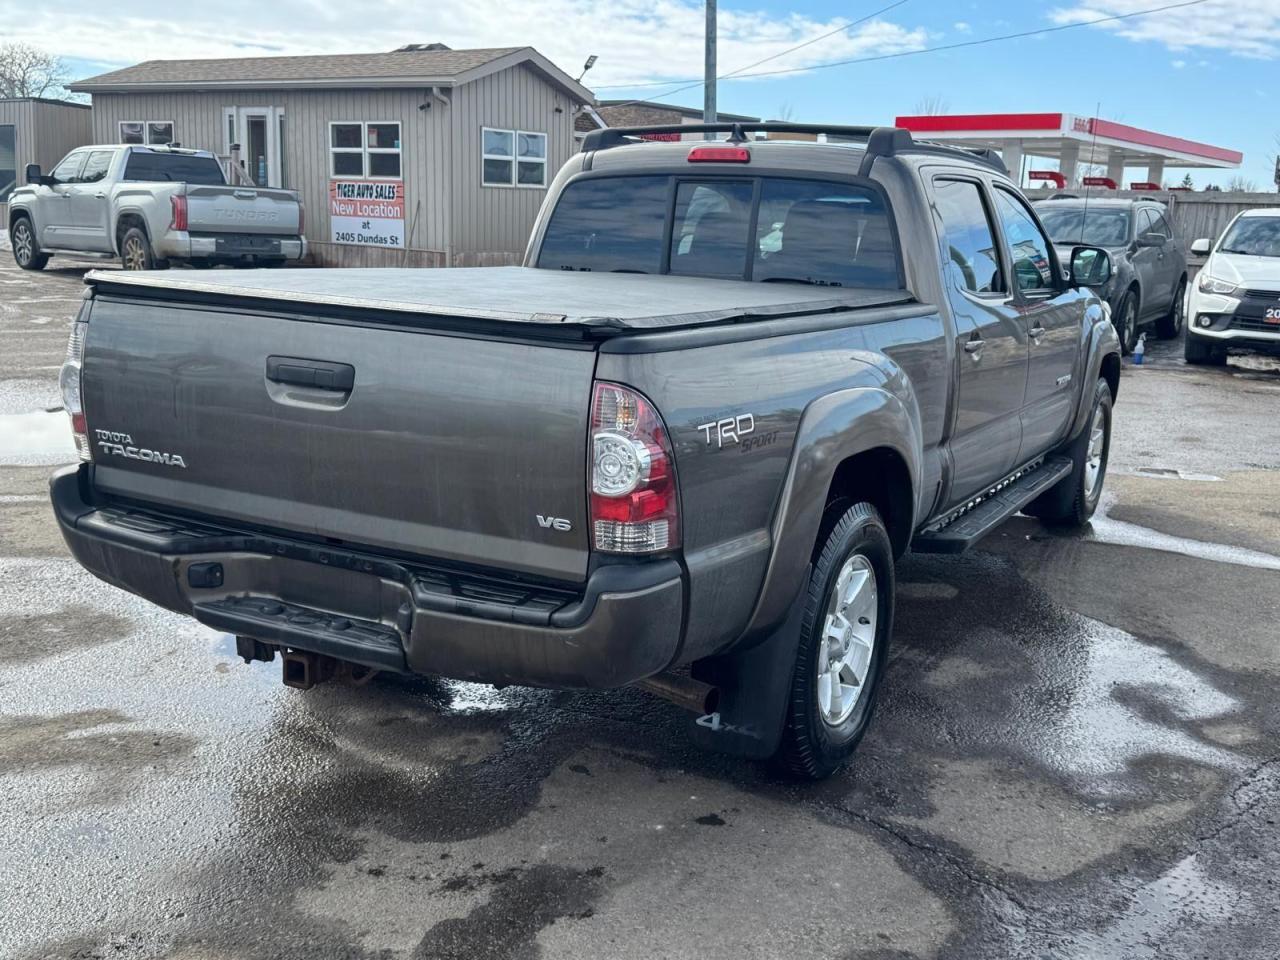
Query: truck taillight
634, 506
179, 220
69, 382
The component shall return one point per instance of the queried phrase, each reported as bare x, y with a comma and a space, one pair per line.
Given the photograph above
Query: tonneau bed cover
605, 302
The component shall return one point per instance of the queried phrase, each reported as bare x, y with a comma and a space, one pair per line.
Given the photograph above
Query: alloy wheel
1097, 447
848, 640
135, 255
23, 248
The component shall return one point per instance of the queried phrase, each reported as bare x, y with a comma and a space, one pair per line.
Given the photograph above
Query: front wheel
26, 253
1073, 499
1199, 351
1170, 325
844, 635
1125, 319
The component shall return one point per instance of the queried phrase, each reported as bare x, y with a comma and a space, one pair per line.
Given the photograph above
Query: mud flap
755, 684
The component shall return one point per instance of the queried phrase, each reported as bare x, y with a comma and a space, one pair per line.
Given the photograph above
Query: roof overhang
549, 71
1048, 134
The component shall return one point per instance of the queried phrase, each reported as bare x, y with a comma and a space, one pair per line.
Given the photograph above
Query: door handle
99, 196
1037, 332
974, 346
320, 374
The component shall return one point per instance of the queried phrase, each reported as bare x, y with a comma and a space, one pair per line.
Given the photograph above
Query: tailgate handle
321, 374
246, 194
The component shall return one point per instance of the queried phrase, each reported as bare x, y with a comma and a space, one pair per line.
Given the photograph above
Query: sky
1205, 71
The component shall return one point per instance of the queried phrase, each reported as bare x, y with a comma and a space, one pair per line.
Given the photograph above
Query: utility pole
709, 71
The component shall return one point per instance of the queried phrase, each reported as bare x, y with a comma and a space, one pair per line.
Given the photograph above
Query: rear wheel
1170, 325
844, 635
136, 252
1126, 322
1074, 498
1200, 351
25, 251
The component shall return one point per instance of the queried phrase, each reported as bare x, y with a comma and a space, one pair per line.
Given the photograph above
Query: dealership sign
367, 213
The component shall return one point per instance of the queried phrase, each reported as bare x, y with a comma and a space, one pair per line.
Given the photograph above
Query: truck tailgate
215, 209
429, 444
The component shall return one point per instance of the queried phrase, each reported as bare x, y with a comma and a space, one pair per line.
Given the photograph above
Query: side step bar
365, 642
968, 528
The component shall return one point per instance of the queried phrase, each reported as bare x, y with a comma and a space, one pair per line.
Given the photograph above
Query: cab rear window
767, 229
172, 168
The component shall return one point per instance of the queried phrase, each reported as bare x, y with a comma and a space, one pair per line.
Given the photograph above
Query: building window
146, 132
513, 158
365, 150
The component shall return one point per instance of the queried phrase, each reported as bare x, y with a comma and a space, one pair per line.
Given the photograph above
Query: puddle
1182, 897
1101, 723
1167, 473
1104, 529
36, 439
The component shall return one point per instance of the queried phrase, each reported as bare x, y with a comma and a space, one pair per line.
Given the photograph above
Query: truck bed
603, 302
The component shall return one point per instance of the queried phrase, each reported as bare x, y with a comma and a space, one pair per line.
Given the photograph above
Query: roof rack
880, 141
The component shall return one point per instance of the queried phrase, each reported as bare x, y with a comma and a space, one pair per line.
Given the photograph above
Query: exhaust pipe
693, 695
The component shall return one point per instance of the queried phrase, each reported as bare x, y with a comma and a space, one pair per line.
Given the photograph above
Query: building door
257, 131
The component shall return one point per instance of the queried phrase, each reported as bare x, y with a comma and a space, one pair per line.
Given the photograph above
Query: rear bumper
232, 246
624, 624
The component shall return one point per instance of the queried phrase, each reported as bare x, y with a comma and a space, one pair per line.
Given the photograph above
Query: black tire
1201, 352
1170, 325
1073, 499
136, 252
26, 252
814, 747
1125, 320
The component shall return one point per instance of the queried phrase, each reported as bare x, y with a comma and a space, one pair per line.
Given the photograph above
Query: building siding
449, 217
492, 224
44, 132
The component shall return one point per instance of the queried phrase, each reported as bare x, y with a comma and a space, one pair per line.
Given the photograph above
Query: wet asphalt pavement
1076, 754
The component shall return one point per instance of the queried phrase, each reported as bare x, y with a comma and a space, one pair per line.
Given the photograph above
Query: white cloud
636, 40
1249, 28
961, 27
1179, 64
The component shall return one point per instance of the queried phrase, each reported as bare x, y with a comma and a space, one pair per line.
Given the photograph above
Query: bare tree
26, 71
932, 106
786, 112
1238, 184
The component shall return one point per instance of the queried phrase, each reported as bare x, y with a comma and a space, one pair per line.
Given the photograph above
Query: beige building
424, 156
35, 130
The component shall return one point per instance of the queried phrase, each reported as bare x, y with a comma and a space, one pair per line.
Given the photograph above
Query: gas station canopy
1072, 140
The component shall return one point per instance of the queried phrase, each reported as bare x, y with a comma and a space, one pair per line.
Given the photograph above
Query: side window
68, 171
1029, 249
971, 245
96, 167
709, 236
1144, 221
1160, 225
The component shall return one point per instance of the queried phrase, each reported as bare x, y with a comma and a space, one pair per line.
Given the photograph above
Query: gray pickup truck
681, 447
149, 206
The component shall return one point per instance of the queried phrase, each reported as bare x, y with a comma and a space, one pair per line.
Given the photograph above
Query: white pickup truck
149, 206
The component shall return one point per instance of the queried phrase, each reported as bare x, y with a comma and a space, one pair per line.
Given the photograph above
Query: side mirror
1201, 247
1090, 266
1151, 239
33, 173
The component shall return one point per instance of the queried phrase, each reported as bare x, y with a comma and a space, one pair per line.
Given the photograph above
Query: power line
734, 73
914, 53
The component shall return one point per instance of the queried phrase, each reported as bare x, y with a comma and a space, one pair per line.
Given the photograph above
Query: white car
1235, 300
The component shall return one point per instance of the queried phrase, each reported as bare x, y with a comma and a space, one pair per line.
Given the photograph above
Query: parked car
1235, 301
1149, 279
665, 442
150, 206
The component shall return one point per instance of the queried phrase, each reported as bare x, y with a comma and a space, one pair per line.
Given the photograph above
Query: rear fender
833, 428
